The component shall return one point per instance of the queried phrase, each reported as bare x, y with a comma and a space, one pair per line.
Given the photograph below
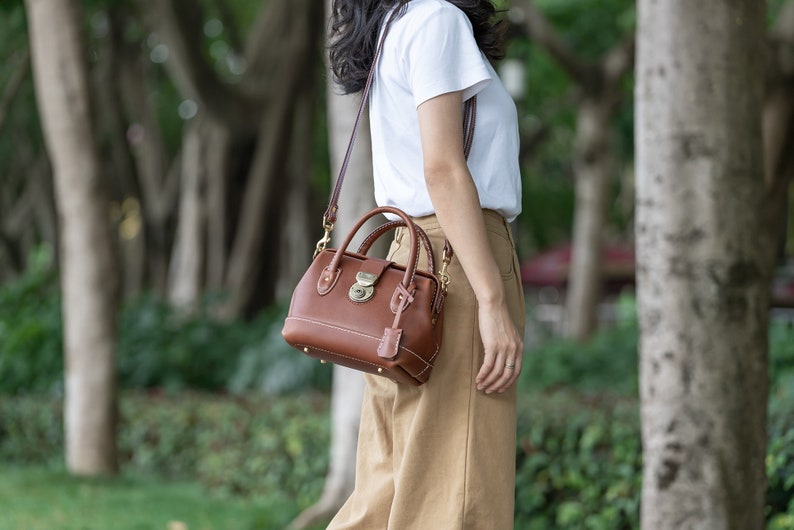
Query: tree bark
185, 275
593, 165
87, 265
703, 284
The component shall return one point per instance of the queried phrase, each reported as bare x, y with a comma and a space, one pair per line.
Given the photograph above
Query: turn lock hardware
364, 288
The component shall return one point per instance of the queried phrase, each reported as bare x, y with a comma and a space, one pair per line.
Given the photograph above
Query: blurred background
209, 123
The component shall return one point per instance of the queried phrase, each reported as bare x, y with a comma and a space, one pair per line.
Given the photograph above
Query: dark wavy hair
355, 25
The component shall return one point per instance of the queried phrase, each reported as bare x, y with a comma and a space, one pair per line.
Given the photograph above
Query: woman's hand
503, 349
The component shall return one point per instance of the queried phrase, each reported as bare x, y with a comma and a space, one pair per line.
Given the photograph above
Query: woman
442, 455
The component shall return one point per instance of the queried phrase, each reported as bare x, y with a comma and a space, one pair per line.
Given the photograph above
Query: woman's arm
457, 207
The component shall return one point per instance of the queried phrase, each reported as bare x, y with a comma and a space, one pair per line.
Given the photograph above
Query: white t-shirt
428, 52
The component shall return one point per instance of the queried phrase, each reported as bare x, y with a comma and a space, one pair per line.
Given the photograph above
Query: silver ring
510, 366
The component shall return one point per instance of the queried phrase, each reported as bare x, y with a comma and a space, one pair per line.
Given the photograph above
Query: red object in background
783, 287
550, 267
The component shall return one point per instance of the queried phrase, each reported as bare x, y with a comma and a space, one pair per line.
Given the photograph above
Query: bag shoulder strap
469, 119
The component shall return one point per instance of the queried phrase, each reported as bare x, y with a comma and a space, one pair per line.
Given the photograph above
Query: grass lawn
44, 499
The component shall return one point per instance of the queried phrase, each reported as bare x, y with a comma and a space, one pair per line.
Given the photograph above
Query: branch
179, 24
232, 29
543, 33
782, 36
530, 142
271, 41
619, 60
14, 85
784, 26
16, 218
266, 50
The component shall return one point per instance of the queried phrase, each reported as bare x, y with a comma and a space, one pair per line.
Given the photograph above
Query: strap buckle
322, 243
442, 274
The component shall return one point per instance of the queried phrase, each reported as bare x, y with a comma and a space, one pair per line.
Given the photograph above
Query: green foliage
547, 207
234, 446
158, 346
240, 446
578, 462
31, 330
590, 28
781, 356
780, 465
606, 363
773, 8
578, 455
31, 429
780, 456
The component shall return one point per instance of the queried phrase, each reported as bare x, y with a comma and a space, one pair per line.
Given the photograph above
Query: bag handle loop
365, 245
331, 272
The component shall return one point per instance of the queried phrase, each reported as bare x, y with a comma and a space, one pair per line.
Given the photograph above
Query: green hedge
578, 455
30, 329
578, 462
233, 445
158, 347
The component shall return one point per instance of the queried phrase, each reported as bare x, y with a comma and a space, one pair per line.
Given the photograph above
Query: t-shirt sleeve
442, 56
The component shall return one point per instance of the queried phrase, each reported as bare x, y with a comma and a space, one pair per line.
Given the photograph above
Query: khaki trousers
442, 455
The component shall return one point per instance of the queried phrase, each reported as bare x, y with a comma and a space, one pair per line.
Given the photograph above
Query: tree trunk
262, 201
299, 222
600, 86
88, 272
185, 275
348, 386
158, 188
119, 167
703, 285
593, 167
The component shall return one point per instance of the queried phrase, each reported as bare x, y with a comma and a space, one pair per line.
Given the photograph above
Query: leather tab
374, 266
327, 281
402, 298
390, 343
439, 305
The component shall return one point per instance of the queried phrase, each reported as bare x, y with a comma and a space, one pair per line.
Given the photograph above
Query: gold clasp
322, 243
364, 288
442, 274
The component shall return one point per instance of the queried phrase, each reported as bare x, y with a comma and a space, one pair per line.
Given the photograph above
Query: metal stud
323, 361
305, 350
380, 370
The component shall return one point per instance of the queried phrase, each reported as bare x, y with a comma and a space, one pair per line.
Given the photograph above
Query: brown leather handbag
367, 313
